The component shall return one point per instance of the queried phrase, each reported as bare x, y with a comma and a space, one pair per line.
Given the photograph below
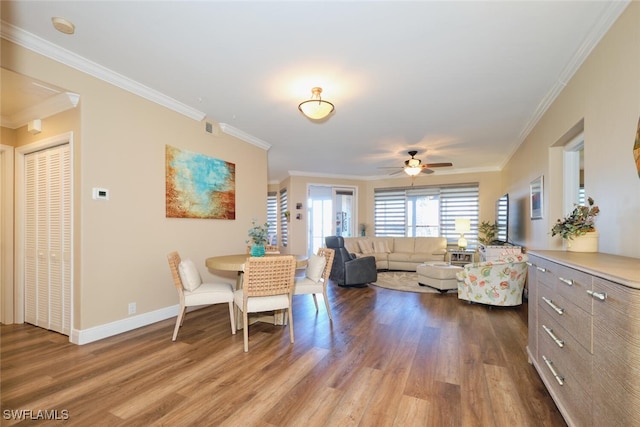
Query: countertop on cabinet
616, 268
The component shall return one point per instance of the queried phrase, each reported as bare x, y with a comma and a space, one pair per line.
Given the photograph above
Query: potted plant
488, 231
578, 228
287, 215
258, 237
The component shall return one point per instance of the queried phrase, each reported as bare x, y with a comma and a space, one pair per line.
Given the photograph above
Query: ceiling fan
413, 166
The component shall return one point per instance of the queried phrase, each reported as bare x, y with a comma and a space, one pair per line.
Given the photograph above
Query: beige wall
121, 244
605, 93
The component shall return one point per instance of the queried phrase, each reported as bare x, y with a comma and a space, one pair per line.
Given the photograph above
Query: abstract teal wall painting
198, 186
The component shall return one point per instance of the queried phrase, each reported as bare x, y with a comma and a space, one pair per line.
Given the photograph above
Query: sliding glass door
331, 212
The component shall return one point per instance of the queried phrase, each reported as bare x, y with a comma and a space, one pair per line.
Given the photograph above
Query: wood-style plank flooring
389, 359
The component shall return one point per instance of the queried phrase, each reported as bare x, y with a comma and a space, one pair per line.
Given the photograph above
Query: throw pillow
189, 275
381, 246
315, 267
365, 246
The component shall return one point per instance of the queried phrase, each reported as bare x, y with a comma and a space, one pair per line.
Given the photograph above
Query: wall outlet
132, 308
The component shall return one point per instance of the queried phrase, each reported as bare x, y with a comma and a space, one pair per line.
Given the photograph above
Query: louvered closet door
48, 239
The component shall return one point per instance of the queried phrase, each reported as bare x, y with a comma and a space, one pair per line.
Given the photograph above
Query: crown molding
610, 15
45, 48
53, 105
233, 131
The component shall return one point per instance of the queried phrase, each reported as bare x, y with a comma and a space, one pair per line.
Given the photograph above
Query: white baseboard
96, 333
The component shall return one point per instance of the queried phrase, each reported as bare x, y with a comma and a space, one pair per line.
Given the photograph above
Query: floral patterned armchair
500, 282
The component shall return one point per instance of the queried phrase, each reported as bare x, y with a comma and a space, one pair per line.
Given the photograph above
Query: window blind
284, 224
455, 201
459, 202
272, 216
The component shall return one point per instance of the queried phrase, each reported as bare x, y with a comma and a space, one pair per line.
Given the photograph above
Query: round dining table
236, 263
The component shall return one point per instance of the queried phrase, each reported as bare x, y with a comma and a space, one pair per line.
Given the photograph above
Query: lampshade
412, 170
463, 225
316, 108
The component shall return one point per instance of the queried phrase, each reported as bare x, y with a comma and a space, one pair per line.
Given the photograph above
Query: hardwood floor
389, 359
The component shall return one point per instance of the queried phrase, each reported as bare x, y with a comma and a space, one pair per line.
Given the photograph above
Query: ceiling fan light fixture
316, 108
412, 170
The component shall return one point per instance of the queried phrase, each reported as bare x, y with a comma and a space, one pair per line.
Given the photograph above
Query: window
284, 224
426, 211
272, 217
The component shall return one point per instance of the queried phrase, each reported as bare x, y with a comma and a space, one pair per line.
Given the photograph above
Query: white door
47, 238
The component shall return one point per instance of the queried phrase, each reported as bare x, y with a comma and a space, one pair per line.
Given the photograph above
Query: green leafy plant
488, 231
258, 234
578, 222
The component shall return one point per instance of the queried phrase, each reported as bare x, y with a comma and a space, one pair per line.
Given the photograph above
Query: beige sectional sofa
398, 253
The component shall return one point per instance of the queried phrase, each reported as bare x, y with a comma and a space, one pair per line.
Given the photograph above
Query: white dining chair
267, 284
192, 292
316, 277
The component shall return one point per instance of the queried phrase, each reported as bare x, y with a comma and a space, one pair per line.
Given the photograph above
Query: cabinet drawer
566, 348
572, 398
616, 354
532, 319
570, 283
574, 320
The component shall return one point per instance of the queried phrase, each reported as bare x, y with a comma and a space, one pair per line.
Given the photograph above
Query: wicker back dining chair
267, 284
313, 285
192, 292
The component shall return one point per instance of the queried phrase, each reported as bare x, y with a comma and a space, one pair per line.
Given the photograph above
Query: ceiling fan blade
438, 165
397, 172
426, 171
390, 167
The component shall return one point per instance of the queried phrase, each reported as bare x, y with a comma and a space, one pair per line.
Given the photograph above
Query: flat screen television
502, 218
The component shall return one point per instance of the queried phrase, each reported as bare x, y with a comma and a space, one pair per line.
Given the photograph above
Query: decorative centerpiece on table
258, 238
578, 228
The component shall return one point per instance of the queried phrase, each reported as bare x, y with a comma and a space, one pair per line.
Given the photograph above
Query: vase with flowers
578, 228
258, 238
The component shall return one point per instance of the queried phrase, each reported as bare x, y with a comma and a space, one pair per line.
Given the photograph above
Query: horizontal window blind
390, 212
456, 201
459, 202
272, 215
284, 224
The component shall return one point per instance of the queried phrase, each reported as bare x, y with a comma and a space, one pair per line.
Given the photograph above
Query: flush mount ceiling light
316, 108
63, 25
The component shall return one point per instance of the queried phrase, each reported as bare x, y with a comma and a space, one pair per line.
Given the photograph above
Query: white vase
585, 243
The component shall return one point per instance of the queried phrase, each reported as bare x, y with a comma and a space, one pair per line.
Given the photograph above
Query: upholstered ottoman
439, 275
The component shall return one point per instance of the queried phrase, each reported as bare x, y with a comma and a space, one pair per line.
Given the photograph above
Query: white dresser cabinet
584, 334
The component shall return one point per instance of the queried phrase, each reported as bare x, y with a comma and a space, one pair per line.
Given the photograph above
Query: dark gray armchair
347, 270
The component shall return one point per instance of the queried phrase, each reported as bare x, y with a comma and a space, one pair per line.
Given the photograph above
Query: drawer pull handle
529, 264
552, 305
598, 295
549, 363
557, 340
566, 281
544, 270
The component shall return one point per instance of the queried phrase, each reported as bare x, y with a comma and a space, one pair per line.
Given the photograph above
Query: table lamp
463, 225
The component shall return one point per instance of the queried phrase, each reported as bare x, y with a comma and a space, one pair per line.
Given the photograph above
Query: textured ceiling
459, 82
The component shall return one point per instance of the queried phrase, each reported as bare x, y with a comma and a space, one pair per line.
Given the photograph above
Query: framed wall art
198, 186
536, 190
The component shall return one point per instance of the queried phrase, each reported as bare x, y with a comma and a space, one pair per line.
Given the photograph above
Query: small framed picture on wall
536, 189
